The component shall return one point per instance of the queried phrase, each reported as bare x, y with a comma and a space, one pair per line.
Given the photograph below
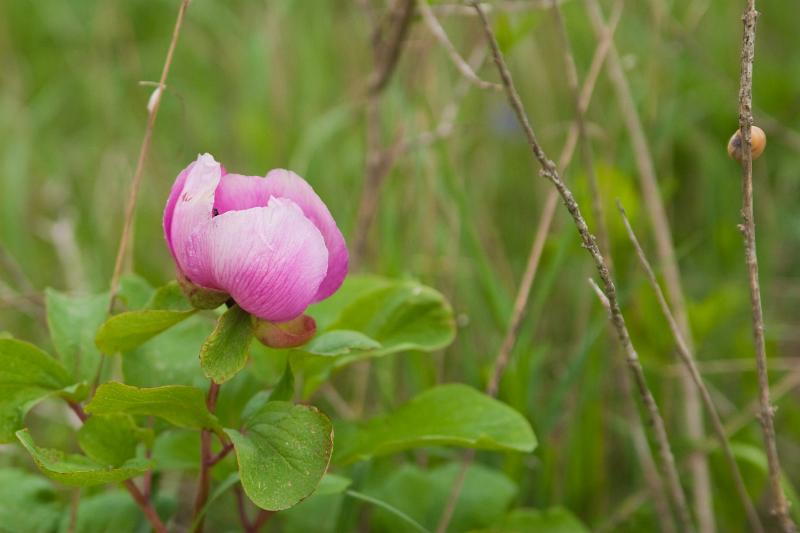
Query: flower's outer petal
237, 192
271, 259
188, 229
169, 209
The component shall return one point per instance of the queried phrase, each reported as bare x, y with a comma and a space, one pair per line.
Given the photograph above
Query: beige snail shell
758, 141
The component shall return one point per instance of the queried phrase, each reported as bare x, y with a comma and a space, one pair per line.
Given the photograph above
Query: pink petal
270, 259
187, 226
237, 192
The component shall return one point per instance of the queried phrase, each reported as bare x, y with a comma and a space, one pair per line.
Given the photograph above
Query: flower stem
207, 461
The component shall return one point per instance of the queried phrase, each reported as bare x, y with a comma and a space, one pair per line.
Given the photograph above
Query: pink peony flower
270, 243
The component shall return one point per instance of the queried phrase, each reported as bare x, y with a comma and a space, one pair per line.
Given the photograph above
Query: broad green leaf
73, 321
179, 405
405, 519
340, 342
28, 503
283, 452
134, 291
284, 390
397, 315
225, 351
170, 297
79, 470
106, 512
176, 449
422, 494
552, 520
223, 487
27, 375
111, 439
126, 331
448, 415
756, 457
332, 484
354, 287
169, 358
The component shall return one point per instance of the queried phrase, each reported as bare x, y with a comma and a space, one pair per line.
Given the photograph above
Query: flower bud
201, 297
291, 334
758, 141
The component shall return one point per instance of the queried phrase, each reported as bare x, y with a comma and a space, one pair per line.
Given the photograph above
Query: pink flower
270, 243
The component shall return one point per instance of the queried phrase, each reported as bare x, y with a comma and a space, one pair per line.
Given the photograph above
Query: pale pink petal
174, 193
237, 192
188, 228
271, 259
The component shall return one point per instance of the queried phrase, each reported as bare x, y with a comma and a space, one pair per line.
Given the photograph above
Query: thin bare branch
740, 420
389, 37
503, 355
667, 259
766, 416
688, 360
506, 6
441, 35
550, 172
153, 106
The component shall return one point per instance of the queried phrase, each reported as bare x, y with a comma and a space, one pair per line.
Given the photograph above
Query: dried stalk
668, 261
550, 172
207, 461
388, 40
503, 356
136, 182
438, 31
688, 360
635, 501
649, 469
780, 505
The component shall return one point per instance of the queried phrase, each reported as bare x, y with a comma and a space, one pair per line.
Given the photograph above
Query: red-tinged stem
262, 519
207, 461
146, 507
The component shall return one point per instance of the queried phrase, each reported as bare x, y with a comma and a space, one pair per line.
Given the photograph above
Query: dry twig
766, 415
550, 172
438, 31
667, 259
688, 360
153, 106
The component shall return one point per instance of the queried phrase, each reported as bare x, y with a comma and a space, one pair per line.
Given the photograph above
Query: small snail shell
758, 141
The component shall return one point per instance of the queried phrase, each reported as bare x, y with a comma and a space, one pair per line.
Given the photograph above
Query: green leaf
422, 494
332, 484
404, 518
73, 321
283, 452
170, 297
284, 390
226, 484
27, 375
28, 503
450, 415
340, 342
179, 405
126, 331
107, 511
755, 456
79, 470
225, 351
552, 520
134, 291
111, 439
176, 449
396, 315
169, 358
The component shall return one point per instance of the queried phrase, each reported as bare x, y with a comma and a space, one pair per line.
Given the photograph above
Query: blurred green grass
280, 83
